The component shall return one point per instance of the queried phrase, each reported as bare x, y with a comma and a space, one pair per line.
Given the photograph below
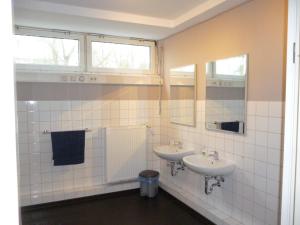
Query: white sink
208, 166
172, 152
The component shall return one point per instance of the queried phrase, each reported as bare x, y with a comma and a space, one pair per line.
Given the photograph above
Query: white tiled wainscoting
40, 181
251, 195
225, 110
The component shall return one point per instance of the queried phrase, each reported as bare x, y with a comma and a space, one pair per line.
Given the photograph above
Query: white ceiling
150, 19
168, 9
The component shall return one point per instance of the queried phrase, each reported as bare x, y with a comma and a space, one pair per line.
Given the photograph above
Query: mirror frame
194, 99
245, 98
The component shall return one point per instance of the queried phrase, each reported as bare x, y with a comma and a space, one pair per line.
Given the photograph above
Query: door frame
292, 110
8, 167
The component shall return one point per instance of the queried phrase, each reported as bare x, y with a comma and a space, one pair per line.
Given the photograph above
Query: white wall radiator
125, 153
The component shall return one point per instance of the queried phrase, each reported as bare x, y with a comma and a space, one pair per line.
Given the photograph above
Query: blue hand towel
231, 126
68, 147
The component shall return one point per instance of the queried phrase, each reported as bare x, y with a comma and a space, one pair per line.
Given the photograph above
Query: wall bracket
175, 167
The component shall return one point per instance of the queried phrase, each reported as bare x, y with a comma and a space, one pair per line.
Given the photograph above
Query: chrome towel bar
86, 129
49, 131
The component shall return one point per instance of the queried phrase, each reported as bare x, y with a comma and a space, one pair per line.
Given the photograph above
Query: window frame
119, 40
53, 34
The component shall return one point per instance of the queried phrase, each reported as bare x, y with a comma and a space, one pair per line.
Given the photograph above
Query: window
63, 51
36, 50
118, 55
46, 51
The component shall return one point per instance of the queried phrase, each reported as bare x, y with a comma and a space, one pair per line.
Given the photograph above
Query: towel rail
49, 131
87, 129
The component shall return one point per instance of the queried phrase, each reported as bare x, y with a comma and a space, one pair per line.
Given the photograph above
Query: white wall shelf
87, 78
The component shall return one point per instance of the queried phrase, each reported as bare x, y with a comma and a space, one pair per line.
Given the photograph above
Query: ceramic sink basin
208, 166
172, 152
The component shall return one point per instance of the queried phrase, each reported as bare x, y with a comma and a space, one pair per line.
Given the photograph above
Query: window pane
46, 51
120, 56
235, 66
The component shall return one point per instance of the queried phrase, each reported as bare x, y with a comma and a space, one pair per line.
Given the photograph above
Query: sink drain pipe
217, 183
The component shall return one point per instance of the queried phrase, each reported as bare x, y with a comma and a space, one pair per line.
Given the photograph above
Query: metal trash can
149, 183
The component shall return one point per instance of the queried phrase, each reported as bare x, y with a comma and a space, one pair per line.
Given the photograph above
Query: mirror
226, 85
183, 95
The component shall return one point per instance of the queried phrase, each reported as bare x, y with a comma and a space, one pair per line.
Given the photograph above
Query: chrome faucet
176, 143
214, 155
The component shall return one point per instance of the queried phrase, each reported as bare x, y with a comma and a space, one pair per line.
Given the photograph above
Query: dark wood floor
126, 208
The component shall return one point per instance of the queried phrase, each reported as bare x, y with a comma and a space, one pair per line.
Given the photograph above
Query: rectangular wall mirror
183, 95
226, 91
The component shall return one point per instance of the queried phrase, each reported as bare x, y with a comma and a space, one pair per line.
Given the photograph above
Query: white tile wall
182, 111
249, 196
225, 110
40, 181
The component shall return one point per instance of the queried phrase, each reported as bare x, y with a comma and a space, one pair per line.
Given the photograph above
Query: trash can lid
149, 173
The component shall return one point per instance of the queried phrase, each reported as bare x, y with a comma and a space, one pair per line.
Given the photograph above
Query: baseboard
210, 213
79, 200
69, 202
67, 194
194, 207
